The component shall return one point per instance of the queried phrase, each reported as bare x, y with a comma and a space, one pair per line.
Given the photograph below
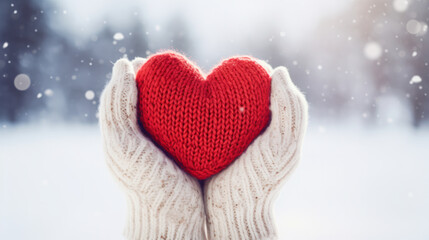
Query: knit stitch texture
163, 201
166, 203
204, 123
239, 200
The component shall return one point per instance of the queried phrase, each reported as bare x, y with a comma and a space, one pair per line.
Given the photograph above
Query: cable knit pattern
163, 201
239, 200
203, 123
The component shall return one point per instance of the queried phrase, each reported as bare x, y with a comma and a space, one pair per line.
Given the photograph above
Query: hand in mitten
239, 200
163, 201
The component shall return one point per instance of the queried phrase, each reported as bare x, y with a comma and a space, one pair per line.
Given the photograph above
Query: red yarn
204, 124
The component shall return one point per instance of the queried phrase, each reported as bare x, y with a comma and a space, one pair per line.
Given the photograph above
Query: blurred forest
368, 62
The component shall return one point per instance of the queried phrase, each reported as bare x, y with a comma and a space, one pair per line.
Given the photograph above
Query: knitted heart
204, 123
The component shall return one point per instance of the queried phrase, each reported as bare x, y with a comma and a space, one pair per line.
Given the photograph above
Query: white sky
211, 24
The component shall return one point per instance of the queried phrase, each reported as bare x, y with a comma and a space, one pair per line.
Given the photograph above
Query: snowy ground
351, 184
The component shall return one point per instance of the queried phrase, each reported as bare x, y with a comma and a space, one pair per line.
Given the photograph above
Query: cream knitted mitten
239, 200
163, 201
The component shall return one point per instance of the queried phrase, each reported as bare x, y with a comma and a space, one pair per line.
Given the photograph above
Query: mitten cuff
241, 220
152, 220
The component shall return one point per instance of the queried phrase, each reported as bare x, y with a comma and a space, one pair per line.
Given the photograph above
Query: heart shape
203, 123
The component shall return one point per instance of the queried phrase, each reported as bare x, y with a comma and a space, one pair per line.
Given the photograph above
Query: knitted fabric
163, 201
239, 200
204, 123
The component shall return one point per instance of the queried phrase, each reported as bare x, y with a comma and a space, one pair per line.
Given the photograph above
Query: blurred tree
178, 34
67, 75
137, 40
24, 30
381, 56
419, 45
90, 62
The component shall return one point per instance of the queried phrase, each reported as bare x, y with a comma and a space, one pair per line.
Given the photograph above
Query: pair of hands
164, 202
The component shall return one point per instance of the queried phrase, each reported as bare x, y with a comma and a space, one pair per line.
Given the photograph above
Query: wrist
152, 220
241, 220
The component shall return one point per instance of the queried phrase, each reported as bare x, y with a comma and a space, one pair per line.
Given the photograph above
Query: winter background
362, 64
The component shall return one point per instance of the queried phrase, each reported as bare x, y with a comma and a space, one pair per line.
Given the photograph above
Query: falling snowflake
372, 50
122, 50
49, 92
413, 26
22, 82
5, 45
89, 95
118, 36
415, 79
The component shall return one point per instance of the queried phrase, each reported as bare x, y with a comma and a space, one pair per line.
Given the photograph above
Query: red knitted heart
204, 123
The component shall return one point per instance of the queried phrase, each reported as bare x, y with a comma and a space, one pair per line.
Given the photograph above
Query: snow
424, 29
415, 79
5, 45
416, 27
49, 92
89, 95
413, 26
352, 183
400, 5
372, 50
118, 36
22, 82
122, 50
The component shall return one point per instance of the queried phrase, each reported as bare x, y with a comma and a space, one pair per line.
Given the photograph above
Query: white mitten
163, 201
239, 200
